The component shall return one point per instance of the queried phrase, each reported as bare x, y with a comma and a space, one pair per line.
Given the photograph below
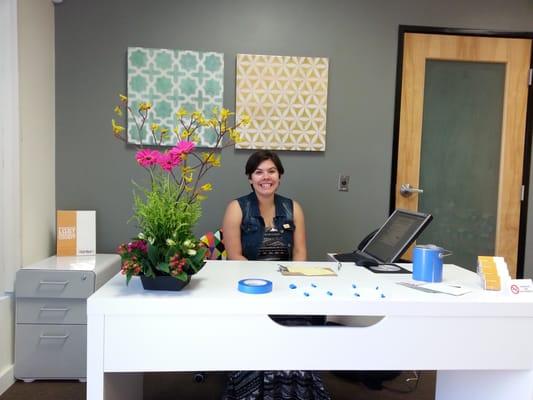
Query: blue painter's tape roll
255, 286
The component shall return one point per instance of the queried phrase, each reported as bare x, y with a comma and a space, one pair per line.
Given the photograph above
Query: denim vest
253, 225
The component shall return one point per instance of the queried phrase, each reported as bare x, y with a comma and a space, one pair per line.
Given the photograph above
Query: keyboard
357, 257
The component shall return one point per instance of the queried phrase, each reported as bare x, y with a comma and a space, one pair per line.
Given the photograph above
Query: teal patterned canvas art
170, 79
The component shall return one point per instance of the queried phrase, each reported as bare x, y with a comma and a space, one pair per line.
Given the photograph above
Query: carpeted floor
172, 386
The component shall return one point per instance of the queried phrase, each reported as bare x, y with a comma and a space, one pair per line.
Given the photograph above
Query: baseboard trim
7, 378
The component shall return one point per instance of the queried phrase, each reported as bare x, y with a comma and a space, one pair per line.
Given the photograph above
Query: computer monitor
396, 234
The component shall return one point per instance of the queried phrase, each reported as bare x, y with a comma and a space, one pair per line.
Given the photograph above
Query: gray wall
359, 37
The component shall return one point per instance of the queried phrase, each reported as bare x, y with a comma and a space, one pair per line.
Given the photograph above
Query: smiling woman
264, 225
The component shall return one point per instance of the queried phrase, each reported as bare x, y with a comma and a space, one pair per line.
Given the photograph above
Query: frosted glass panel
460, 158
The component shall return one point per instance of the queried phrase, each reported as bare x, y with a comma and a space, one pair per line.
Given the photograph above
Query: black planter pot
164, 283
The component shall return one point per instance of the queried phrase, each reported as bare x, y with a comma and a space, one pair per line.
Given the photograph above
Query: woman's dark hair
258, 157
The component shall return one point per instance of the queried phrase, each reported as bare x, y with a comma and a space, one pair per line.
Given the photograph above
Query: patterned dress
276, 385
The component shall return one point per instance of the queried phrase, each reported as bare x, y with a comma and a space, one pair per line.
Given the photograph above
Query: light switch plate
344, 181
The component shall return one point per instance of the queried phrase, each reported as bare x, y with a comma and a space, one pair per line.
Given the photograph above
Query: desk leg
108, 386
486, 385
95, 357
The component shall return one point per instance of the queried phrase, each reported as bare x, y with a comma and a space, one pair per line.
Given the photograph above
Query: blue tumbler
427, 262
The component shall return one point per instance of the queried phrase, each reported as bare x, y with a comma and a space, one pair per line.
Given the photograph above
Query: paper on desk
306, 271
453, 289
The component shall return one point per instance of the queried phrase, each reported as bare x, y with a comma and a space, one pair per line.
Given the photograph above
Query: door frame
402, 30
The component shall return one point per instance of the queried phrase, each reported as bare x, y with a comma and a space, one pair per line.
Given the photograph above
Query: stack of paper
493, 272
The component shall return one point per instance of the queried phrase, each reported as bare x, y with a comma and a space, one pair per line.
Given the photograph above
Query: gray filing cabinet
51, 314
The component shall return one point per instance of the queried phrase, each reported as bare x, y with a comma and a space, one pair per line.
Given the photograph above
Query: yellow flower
185, 134
245, 120
197, 115
118, 111
211, 159
235, 135
182, 112
214, 111
202, 121
187, 178
164, 130
206, 187
186, 170
123, 98
213, 122
188, 188
216, 161
154, 127
117, 129
201, 198
225, 113
145, 106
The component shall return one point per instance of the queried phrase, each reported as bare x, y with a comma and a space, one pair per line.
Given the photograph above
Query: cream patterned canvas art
286, 98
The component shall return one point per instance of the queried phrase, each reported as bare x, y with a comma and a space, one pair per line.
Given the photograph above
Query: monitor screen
397, 233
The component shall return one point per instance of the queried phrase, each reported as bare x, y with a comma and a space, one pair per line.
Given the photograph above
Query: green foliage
162, 214
166, 244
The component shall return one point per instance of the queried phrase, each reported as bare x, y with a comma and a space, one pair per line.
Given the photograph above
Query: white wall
6, 342
37, 127
37, 156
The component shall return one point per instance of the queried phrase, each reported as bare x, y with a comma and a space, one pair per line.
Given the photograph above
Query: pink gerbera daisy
167, 161
184, 147
146, 158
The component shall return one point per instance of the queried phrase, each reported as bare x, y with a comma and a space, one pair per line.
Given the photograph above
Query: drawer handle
43, 309
63, 283
43, 336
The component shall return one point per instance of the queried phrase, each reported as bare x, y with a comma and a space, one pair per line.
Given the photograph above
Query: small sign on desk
76, 233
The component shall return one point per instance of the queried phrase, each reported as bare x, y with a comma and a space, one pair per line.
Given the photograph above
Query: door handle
407, 190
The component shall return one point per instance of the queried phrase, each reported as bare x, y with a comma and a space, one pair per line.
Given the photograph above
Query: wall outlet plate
344, 181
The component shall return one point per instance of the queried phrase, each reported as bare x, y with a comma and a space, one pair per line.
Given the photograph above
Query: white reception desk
481, 343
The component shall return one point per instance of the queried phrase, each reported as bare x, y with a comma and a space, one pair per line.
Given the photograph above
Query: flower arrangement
167, 210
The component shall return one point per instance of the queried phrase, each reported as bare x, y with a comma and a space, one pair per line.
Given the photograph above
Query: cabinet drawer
50, 351
57, 284
51, 311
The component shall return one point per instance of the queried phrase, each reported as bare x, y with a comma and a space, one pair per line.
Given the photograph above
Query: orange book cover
76, 233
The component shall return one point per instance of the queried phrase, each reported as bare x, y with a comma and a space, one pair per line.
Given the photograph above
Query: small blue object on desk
255, 286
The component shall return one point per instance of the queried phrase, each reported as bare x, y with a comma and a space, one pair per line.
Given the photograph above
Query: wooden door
421, 51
